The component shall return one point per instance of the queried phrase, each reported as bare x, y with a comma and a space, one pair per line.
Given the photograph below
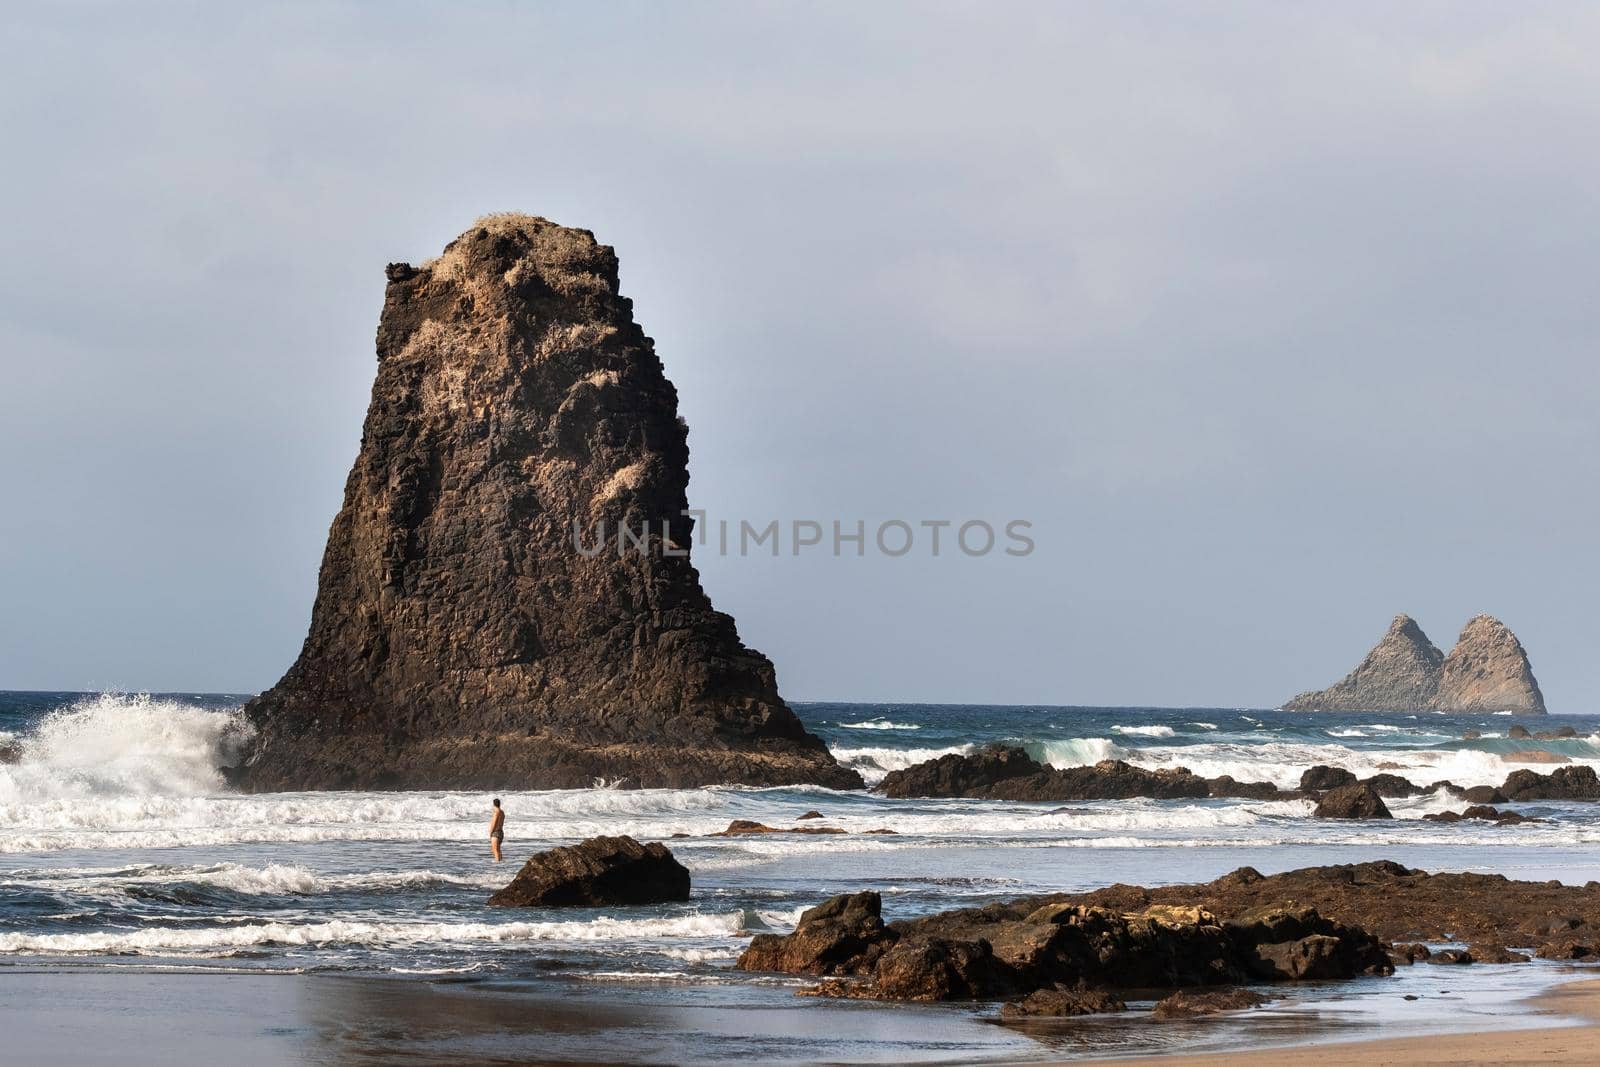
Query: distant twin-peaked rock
460, 638
1486, 672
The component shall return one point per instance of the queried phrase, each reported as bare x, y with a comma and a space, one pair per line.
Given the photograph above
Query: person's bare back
497, 829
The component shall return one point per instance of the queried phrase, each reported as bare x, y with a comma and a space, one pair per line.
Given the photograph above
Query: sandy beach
1553, 1044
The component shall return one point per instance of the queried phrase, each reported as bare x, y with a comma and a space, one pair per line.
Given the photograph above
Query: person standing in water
497, 829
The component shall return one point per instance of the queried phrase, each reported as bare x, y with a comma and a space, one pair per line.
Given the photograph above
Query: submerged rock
1188, 1003
747, 828
481, 618
1352, 802
1482, 813
1059, 1001
599, 871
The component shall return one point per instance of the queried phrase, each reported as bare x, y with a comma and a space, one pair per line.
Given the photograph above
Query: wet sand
1557, 1043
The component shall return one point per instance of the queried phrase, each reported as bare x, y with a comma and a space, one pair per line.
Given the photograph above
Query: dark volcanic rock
1481, 812
1488, 671
941, 970
1352, 802
1518, 732
1392, 785
1401, 673
1059, 1001
1556, 735
747, 828
1568, 783
1451, 956
460, 638
1188, 1003
600, 871
843, 935
1395, 903
1483, 794
1001, 772
1495, 954
1023, 946
1321, 777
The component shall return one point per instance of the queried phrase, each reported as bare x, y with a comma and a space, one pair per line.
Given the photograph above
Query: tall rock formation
1488, 671
1401, 673
460, 637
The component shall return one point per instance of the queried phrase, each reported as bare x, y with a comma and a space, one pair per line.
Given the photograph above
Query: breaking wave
879, 724
114, 745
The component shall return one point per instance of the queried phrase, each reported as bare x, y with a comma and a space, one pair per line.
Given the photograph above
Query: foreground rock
1002, 772
1395, 903
1487, 671
1568, 783
460, 638
600, 871
1051, 954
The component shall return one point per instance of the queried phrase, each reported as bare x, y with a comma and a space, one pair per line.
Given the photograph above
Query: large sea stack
1401, 673
1486, 672
460, 638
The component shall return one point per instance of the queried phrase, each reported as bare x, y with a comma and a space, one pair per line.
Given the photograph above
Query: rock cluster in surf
1058, 957
1487, 671
460, 638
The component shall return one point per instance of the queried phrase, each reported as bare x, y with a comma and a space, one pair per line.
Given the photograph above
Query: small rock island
460, 639
1487, 671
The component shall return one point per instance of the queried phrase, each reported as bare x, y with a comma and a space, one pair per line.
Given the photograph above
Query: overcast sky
1274, 320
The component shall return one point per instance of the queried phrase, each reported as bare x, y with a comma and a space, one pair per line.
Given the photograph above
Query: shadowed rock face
1487, 671
1401, 673
459, 637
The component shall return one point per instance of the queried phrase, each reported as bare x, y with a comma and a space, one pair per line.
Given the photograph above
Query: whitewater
121, 845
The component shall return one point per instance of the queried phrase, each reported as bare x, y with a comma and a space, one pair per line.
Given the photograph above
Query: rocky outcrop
1322, 777
844, 935
1486, 672
1481, 813
1051, 954
1401, 673
1352, 802
600, 871
1568, 783
506, 597
1394, 902
1001, 772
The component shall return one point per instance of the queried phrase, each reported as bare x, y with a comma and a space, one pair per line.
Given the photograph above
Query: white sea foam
1144, 731
165, 940
873, 763
122, 746
880, 724
1203, 725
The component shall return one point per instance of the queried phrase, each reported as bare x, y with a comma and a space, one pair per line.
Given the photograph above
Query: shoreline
1560, 1041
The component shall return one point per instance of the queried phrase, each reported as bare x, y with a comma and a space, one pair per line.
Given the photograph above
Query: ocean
123, 856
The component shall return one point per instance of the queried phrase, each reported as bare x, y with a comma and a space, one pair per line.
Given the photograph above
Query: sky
1272, 319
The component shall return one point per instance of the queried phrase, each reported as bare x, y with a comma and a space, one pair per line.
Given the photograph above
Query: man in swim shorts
497, 829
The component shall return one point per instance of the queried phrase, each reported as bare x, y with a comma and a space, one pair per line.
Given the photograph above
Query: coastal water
123, 855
